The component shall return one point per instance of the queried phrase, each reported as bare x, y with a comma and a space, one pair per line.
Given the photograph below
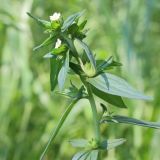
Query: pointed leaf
133, 121
47, 42
44, 23
88, 53
94, 155
117, 86
70, 20
82, 143
63, 72
110, 144
55, 65
112, 99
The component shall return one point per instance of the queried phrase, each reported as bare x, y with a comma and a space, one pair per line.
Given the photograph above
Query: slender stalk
94, 112
59, 125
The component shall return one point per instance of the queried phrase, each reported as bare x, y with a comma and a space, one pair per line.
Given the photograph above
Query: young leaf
112, 99
55, 65
81, 143
117, 86
47, 42
106, 64
110, 144
88, 53
133, 121
63, 72
70, 20
44, 23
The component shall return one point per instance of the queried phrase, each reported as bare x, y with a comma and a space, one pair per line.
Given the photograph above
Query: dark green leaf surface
63, 72
133, 121
70, 20
54, 69
117, 86
112, 99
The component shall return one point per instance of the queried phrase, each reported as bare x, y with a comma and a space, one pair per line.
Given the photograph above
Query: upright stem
94, 112
59, 125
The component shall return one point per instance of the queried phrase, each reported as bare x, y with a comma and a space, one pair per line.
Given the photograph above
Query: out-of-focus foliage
129, 30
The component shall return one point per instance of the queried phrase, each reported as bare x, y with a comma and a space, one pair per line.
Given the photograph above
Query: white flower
58, 43
56, 16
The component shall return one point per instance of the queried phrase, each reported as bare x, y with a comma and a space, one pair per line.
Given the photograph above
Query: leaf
63, 72
107, 64
49, 55
60, 50
81, 155
82, 143
44, 23
93, 155
88, 53
133, 121
112, 99
75, 67
117, 86
47, 42
82, 25
110, 144
55, 65
69, 21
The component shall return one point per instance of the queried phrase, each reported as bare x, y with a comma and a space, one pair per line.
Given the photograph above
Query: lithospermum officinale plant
95, 80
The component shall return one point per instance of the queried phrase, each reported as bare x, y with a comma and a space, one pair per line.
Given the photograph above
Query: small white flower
58, 43
56, 16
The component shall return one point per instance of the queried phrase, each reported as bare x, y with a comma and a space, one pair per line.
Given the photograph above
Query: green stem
94, 112
59, 125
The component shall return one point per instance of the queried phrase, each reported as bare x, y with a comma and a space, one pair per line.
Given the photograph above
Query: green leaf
60, 50
75, 67
110, 144
47, 42
93, 155
82, 25
107, 64
55, 65
81, 143
117, 86
63, 72
112, 99
44, 23
88, 53
128, 120
81, 155
70, 20
49, 55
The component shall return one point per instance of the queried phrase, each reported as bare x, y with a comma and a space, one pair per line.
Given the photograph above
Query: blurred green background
127, 29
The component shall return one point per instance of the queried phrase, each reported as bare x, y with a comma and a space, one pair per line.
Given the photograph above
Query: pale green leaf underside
117, 86
133, 121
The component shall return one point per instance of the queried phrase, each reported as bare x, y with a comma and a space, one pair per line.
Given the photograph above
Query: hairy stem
59, 125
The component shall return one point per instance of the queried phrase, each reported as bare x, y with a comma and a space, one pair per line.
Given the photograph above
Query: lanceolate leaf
70, 20
63, 72
88, 53
82, 143
110, 144
44, 23
93, 155
48, 41
117, 86
55, 65
112, 99
133, 121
